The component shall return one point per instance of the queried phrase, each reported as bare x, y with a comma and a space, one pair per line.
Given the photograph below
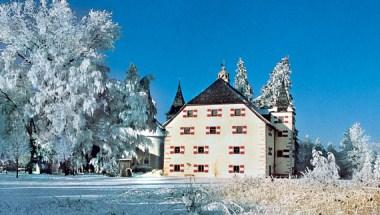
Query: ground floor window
201, 168
236, 169
177, 168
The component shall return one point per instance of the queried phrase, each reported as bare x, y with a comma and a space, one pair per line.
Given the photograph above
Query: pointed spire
283, 100
223, 74
178, 103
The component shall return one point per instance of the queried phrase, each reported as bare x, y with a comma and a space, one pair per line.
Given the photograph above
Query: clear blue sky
334, 49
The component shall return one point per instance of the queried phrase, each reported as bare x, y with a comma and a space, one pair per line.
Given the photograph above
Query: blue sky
333, 48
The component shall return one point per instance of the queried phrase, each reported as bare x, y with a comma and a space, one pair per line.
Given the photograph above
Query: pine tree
376, 170
241, 80
280, 77
366, 172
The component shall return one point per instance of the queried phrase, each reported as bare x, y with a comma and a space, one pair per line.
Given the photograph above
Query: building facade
219, 133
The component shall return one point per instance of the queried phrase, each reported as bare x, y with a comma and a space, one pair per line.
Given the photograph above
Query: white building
219, 133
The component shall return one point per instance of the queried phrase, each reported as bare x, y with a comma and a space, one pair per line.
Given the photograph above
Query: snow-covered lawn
91, 194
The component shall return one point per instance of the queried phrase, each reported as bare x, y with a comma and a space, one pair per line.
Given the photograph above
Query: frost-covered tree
355, 151
324, 170
279, 78
358, 155
130, 111
61, 57
14, 145
366, 172
241, 80
376, 169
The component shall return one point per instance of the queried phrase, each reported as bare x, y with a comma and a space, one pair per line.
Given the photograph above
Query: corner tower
283, 118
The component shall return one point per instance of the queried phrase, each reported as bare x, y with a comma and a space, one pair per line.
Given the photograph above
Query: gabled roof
221, 92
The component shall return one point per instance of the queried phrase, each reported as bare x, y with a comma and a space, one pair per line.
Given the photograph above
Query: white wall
218, 159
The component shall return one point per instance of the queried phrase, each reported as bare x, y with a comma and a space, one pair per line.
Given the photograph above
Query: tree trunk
30, 128
16, 167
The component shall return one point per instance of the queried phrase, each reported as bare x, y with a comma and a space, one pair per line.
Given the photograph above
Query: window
282, 133
270, 149
177, 150
282, 119
213, 130
283, 153
177, 168
190, 113
214, 112
201, 168
201, 149
236, 169
239, 129
187, 130
237, 112
236, 150
146, 161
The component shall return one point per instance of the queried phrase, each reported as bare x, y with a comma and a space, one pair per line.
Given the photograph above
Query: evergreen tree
376, 170
241, 80
130, 110
304, 154
279, 78
366, 172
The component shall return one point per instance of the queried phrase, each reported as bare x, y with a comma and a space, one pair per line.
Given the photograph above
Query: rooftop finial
223, 74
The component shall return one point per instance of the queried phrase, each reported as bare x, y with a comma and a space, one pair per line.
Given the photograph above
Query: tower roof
283, 100
178, 102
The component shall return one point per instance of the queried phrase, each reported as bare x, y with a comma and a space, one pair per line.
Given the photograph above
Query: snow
91, 194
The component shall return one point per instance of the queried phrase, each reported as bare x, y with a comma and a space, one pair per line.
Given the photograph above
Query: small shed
125, 169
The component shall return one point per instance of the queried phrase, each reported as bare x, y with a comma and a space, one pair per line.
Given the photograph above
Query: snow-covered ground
91, 194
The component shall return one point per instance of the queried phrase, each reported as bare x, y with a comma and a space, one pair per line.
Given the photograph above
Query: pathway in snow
90, 194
